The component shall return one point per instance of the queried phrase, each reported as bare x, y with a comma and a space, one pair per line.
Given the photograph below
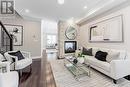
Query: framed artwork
17, 33
108, 31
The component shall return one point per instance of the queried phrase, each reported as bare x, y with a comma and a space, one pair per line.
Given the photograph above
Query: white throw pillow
104, 50
112, 55
94, 50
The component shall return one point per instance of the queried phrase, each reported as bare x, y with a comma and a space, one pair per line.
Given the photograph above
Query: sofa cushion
100, 55
93, 61
95, 49
87, 51
104, 49
112, 55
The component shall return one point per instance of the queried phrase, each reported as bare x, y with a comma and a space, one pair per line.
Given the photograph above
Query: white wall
84, 33
31, 35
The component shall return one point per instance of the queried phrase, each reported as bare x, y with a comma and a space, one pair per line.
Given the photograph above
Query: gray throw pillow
87, 51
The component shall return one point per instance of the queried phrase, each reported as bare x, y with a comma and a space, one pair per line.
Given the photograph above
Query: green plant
80, 55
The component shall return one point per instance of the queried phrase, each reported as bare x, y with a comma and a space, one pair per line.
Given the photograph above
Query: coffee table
78, 70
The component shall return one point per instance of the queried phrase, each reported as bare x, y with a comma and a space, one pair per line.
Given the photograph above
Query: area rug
64, 78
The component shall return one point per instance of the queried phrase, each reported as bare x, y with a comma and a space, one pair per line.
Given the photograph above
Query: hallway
51, 54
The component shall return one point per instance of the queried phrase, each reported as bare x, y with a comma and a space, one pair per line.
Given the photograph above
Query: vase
75, 61
80, 60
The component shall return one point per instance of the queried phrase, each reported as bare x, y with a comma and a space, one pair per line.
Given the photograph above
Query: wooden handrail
10, 37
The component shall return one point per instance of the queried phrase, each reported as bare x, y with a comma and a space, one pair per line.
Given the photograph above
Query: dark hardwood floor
41, 75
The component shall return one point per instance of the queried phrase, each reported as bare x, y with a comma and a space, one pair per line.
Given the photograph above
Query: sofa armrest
26, 54
6, 64
120, 68
10, 79
13, 57
10, 57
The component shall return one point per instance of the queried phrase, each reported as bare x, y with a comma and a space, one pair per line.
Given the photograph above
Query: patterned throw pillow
18, 54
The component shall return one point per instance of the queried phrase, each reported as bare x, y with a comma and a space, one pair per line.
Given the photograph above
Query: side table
3, 69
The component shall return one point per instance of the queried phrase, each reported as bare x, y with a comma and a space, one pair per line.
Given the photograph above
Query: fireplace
70, 46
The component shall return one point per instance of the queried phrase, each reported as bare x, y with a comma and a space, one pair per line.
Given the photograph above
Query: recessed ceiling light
61, 2
85, 7
27, 10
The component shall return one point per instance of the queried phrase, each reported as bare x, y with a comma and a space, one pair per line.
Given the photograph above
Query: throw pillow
100, 55
112, 55
18, 54
87, 51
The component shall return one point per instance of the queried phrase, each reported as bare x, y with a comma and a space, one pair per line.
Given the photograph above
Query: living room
64, 43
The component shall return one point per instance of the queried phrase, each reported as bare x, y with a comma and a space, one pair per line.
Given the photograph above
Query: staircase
6, 41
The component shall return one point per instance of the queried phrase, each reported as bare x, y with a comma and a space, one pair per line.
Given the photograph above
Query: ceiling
50, 9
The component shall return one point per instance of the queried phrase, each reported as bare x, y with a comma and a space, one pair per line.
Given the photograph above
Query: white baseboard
36, 57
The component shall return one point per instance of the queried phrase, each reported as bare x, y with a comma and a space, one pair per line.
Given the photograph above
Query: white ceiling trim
99, 10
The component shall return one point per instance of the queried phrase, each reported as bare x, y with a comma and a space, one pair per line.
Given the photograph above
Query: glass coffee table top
78, 70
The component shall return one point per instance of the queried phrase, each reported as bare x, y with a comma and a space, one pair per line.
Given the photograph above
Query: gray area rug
64, 78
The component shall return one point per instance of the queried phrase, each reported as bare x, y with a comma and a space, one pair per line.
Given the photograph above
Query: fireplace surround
70, 46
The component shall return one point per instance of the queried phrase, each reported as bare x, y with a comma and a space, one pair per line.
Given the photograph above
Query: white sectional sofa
115, 69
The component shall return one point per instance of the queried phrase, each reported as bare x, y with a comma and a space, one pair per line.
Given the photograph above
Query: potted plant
80, 57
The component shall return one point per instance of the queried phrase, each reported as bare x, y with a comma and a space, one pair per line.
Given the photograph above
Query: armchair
18, 64
8, 79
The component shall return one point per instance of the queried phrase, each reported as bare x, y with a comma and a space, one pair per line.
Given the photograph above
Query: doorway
49, 37
51, 46
51, 42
